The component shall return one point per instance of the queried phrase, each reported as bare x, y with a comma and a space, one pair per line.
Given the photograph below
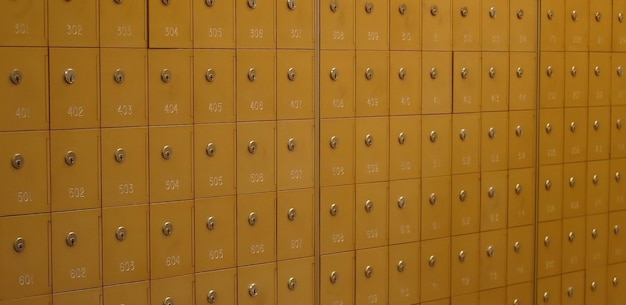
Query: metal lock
71, 239
620, 17
596, 125
570, 291
519, 130
70, 76
210, 75
574, 71
618, 176
168, 300
166, 76
253, 290
292, 283
369, 73
19, 245
492, 72
402, 9
571, 236
121, 233
16, 77
17, 161
547, 241
334, 142
209, 3
620, 71
252, 147
168, 228
574, 15
211, 150
594, 286
167, 152
598, 16
70, 158
166, 2
546, 296
433, 198
333, 6
549, 71
517, 247
434, 73
251, 74
291, 4
291, 144
432, 261
615, 281
464, 11
291, 74
120, 155
491, 133
462, 256
520, 14
519, 72
252, 4
572, 126
252, 219
117, 1
334, 209
617, 229
119, 76
402, 73
369, 206
462, 195
548, 184
434, 10
211, 297
518, 189
490, 251
594, 233
463, 134
291, 214
401, 138
464, 73
369, 140
550, 14
595, 179
618, 123
369, 271
491, 192
369, 7
548, 128
517, 302
334, 277
433, 136
572, 181
334, 74
401, 266
492, 12
211, 223
401, 202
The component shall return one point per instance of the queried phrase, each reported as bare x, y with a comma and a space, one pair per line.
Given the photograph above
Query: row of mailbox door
374, 24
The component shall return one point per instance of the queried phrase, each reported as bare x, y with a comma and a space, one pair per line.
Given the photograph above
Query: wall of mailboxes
333, 151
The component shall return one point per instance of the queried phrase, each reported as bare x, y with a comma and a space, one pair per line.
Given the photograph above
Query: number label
296, 174
74, 29
21, 29
76, 111
78, 273
216, 181
171, 108
338, 238
257, 177
338, 103
76, 192
126, 188
295, 33
23, 197
296, 104
124, 31
338, 171
372, 233
372, 36
22, 113
296, 243
125, 110
406, 36
171, 185
215, 32
25, 279
172, 261
216, 107
372, 168
216, 254
171, 31
127, 266
256, 33
256, 105
257, 248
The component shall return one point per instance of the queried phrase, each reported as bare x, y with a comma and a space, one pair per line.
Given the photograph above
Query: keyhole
210, 150
369, 206
253, 291
333, 6
334, 142
369, 73
70, 158
464, 11
118, 76
16, 77
251, 74
433, 136
168, 229
291, 74
252, 4
70, 76
369, 140
20, 245
71, 239
334, 74
292, 283
211, 297
252, 219
333, 210
18, 161
211, 223
252, 147
548, 185
434, 10
334, 277
291, 4
166, 152
434, 73
120, 155
291, 215
166, 75
369, 7
166, 2
120, 234
209, 3
210, 75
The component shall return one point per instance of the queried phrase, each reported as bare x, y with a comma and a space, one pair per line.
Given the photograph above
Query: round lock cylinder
464, 11
548, 185
432, 261
572, 182
615, 281
462, 256
618, 176
19, 245
570, 291
369, 271
434, 10
491, 192
618, 124
617, 229
334, 209
402, 9
595, 179
462, 195
209, 3
291, 144
547, 241
211, 223
166, 152
16, 77
166, 76
119, 76
252, 147
211, 297
597, 71
546, 296
253, 290
369, 73
401, 202
251, 74
167, 229
548, 128
291, 4
121, 234
434, 73
433, 198
594, 286
71, 239
572, 126
517, 302
291, 74
518, 189
211, 150
333, 277
549, 71
517, 246
463, 134
369, 140
166, 2
491, 132
292, 283
596, 125
117, 1
17, 161
598, 16
70, 76
402, 73
252, 4
492, 72
252, 219
120, 155
571, 236
620, 71
334, 74
574, 71
520, 14
369, 7
334, 142
401, 266
594, 233
70, 158
492, 12
620, 17
490, 251
519, 131
369, 206
401, 138
333, 6
464, 73
550, 14
210, 75
519, 72
433, 136
291, 214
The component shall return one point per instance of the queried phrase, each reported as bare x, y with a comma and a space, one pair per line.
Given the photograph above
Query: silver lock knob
70, 158
209, 3
434, 10
548, 184
549, 71
401, 266
574, 15
291, 74
550, 14
121, 233
518, 189
252, 4
167, 152
369, 73
491, 132
333, 6
291, 214
595, 179
291, 144
572, 126
572, 181
617, 229
252, 219
462, 256
334, 74
401, 138
251, 74
165, 2
167, 229
464, 11
434, 73
334, 209
120, 155
491, 192
402, 73
210, 149
520, 14
168, 300
334, 142
166, 76
596, 125
464, 73
519, 72
517, 302
252, 147
570, 291
519, 131
292, 283
574, 71
402, 9
369, 271
618, 123
401, 202
369, 206
19, 245
594, 286
597, 71
462, 195
17, 161
517, 246
211, 223
70, 76
253, 290
594, 233
369, 7
369, 140
211, 297
16, 77
618, 176
492, 72
291, 4
598, 16
620, 71
433, 198
546, 296
615, 281
433, 136
71, 239
547, 241
490, 251
571, 236
432, 261
548, 128
334, 277
492, 12
119, 76
463, 134
210, 75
